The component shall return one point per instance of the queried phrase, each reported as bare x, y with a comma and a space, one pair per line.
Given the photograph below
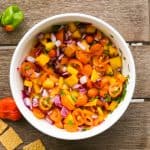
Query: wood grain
141, 56
131, 132
130, 18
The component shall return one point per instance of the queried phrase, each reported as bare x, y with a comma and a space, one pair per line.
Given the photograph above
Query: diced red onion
65, 74
102, 99
64, 112
83, 79
40, 36
80, 128
57, 101
30, 59
37, 74
58, 43
29, 90
27, 102
96, 38
61, 56
35, 102
82, 90
69, 42
44, 93
53, 37
58, 52
81, 45
77, 86
83, 36
64, 69
24, 94
41, 89
49, 120
49, 112
94, 116
69, 33
61, 27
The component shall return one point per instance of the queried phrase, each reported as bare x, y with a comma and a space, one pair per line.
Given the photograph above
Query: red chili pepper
9, 110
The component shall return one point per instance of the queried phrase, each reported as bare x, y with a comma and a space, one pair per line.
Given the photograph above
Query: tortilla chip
10, 139
36, 145
3, 126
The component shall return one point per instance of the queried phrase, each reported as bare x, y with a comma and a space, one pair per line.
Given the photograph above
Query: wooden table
131, 19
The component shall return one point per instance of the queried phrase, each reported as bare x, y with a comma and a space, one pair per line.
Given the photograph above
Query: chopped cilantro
70, 122
121, 97
107, 98
74, 98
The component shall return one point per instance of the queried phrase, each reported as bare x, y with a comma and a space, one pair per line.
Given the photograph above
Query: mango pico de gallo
73, 77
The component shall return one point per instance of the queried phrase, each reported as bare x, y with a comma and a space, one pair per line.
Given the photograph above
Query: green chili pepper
11, 18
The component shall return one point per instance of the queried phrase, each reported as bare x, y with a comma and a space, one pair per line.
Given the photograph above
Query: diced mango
92, 103
72, 27
69, 119
42, 59
70, 99
54, 91
116, 62
60, 82
109, 70
36, 88
53, 78
90, 29
48, 83
72, 70
70, 50
76, 34
27, 83
65, 87
113, 51
113, 105
49, 46
72, 80
94, 75
112, 80
100, 111
86, 45
74, 93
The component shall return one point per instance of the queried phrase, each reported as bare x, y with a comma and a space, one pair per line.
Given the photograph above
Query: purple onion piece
24, 94
64, 112
44, 93
57, 101
57, 52
49, 120
77, 86
84, 35
58, 43
40, 36
65, 74
53, 37
30, 59
35, 102
61, 56
27, 102
82, 90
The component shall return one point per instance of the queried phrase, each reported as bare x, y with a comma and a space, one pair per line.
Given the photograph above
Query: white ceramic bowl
24, 47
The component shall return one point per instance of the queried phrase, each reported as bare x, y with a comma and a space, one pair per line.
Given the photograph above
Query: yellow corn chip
36, 145
10, 139
3, 126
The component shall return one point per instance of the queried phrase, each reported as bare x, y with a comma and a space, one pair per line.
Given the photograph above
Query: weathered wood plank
141, 56
142, 62
131, 132
130, 18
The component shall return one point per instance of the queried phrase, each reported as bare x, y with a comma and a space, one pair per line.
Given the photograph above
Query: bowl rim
88, 134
